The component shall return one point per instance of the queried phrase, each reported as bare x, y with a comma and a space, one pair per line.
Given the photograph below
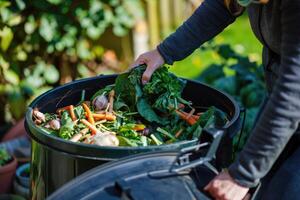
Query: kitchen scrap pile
129, 113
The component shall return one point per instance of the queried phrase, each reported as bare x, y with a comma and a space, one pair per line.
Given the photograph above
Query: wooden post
165, 16
152, 8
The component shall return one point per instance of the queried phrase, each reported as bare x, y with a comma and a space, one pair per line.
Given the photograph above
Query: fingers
153, 60
139, 61
148, 73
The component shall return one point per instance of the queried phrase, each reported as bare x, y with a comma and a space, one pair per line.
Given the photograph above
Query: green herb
67, 126
4, 157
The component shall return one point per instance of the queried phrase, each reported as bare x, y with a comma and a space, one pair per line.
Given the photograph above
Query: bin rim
48, 140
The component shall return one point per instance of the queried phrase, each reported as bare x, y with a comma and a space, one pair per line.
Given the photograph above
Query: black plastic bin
150, 176
55, 161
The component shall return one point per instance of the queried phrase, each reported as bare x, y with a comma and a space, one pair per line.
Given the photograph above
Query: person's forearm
280, 117
206, 22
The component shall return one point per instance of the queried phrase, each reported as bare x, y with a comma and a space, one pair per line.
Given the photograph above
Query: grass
238, 34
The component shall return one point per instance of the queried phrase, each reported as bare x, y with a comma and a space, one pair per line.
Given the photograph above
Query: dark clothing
277, 26
285, 183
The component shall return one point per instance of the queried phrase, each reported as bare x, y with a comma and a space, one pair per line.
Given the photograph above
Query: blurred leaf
83, 70
51, 74
21, 55
48, 27
119, 30
226, 51
94, 32
14, 20
21, 5
30, 25
55, 2
227, 84
6, 37
11, 77
83, 49
211, 73
4, 4
17, 103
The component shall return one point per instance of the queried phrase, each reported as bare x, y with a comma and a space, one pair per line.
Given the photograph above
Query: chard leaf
146, 111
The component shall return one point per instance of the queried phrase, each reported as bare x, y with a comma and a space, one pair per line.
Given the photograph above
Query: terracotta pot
7, 173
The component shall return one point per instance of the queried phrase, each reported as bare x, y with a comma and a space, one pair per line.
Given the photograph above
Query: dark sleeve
281, 115
210, 18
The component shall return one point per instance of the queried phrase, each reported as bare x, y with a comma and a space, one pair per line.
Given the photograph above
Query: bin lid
160, 175
145, 176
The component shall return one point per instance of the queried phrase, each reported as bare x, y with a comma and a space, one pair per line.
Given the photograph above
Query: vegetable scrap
129, 113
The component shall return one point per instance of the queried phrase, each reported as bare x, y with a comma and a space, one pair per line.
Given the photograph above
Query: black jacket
277, 26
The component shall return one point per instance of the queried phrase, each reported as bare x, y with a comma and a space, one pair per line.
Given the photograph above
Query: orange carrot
88, 113
139, 127
93, 129
107, 116
72, 114
59, 110
184, 116
178, 133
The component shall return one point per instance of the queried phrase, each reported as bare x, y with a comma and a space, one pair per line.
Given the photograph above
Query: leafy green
4, 157
67, 126
79, 112
148, 113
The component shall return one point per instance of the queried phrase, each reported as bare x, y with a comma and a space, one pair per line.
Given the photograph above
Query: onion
106, 139
39, 116
54, 124
100, 102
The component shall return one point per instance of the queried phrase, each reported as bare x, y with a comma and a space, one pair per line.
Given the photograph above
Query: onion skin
100, 102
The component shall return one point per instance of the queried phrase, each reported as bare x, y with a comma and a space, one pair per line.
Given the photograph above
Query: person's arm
281, 115
210, 18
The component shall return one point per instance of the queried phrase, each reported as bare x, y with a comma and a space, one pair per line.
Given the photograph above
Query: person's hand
223, 187
153, 60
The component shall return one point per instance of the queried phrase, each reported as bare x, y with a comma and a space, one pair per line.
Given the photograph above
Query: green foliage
47, 42
4, 157
239, 77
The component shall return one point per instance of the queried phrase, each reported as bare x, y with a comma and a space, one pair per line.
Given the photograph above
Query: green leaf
125, 90
14, 20
20, 4
11, 77
67, 126
48, 27
123, 141
17, 103
30, 25
6, 37
51, 74
55, 2
148, 113
227, 84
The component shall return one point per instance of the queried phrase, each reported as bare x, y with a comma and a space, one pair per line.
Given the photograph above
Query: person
276, 23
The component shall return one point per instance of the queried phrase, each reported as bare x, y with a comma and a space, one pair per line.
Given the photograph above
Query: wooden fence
161, 18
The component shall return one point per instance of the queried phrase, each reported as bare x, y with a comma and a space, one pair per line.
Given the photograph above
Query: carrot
111, 101
191, 113
178, 133
58, 111
72, 114
76, 137
139, 127
93, 128
88, 113
184, 116
107, 116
